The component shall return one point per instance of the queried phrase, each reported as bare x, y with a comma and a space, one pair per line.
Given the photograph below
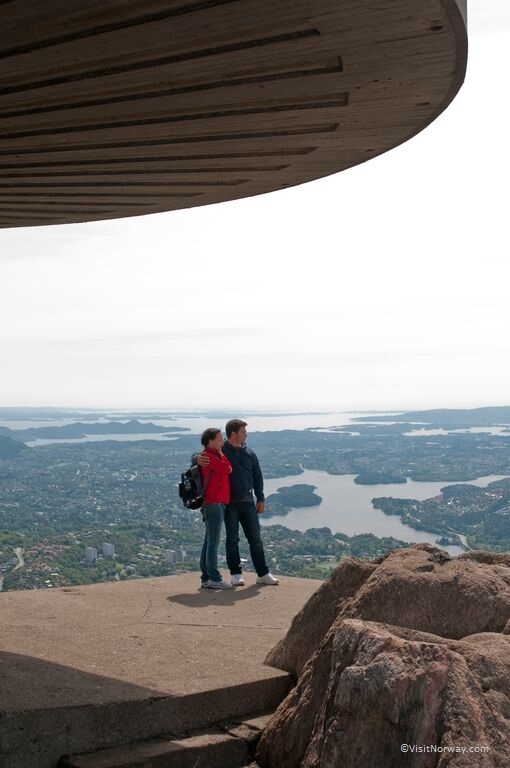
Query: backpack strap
206, 484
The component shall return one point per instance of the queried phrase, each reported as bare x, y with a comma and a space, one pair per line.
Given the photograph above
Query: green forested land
57, 499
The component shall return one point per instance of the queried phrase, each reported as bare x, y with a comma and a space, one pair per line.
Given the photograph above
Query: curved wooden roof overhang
112, 108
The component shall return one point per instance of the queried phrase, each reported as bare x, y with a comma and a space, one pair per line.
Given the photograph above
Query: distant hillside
26, 413
453, 418
10, 448
80, 429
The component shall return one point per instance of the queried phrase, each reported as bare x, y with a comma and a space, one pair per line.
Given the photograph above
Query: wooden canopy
112, 108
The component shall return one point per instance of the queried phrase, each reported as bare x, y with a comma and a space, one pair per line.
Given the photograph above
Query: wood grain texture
118, 108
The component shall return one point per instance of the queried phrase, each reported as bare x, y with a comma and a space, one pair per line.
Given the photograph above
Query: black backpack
191, 488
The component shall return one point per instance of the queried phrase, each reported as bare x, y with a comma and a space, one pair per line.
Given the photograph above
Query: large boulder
310, 625
421, 587
373, 692
417, 656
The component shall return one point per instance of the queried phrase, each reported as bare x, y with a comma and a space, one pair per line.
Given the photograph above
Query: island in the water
291, 496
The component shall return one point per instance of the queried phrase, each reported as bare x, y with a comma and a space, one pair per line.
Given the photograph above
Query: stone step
227, 745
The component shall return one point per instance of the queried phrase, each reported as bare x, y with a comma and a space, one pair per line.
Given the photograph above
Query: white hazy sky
385, 286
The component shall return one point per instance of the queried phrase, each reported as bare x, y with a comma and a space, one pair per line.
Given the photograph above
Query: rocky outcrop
311, 624
413, 668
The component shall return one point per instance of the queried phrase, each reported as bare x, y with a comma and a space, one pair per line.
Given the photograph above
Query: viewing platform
90, 667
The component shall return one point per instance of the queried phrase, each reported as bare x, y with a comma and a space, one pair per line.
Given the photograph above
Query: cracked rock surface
403, 661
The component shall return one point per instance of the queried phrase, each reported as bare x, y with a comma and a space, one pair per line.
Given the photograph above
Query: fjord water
346, 507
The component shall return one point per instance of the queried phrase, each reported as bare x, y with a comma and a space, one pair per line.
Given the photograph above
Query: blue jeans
244, 512
213, 518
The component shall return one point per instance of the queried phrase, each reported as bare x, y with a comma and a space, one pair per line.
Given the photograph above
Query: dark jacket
246, 477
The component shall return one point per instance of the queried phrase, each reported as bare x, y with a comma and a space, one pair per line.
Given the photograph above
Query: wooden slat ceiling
113, 108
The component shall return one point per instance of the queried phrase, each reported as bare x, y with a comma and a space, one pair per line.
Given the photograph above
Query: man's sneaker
205, 584
267, 579
237, 580
219, 585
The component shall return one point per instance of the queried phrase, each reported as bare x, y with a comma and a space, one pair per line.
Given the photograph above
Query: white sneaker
219, 585
204, 584
267, 579
237, 580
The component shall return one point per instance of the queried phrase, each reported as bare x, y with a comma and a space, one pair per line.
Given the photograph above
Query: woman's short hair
209, 434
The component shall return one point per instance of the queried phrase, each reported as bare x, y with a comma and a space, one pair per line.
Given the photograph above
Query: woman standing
216, 482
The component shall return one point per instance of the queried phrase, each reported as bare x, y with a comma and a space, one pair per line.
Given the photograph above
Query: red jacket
218, 484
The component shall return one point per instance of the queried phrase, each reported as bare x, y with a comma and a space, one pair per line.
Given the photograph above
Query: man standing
245, 480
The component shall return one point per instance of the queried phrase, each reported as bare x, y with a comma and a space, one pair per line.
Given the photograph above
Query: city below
88, 496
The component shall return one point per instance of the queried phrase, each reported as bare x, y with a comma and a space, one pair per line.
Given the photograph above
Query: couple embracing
231, 475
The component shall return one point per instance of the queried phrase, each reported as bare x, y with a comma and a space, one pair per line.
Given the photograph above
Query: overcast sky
385, 286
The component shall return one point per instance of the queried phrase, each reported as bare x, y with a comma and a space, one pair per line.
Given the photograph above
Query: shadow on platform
228, 597
86, 668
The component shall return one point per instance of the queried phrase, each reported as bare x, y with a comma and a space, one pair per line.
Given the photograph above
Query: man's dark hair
234, 425
209, 434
